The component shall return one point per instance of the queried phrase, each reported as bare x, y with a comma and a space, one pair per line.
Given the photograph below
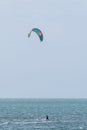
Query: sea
30, 114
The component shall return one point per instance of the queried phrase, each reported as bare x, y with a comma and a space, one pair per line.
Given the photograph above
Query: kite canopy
38, 32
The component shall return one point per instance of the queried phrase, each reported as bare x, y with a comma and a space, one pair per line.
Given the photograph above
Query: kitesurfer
47, 118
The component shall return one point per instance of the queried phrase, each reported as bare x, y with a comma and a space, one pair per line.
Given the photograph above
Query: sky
54, 68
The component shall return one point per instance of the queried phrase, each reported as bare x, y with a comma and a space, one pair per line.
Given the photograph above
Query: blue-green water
29, 114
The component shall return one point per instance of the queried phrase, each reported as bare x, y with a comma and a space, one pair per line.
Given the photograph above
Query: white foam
81, 128
4, 123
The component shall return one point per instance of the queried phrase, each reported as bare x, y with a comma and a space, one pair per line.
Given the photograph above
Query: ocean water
29, 114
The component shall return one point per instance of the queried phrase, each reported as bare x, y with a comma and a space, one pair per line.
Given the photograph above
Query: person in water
47, 118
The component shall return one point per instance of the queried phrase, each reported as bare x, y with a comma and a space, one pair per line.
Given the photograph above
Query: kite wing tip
28, 34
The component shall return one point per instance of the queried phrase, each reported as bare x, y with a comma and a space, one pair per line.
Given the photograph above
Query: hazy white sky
56, 68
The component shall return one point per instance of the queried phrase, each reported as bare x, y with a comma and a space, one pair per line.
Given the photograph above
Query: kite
38, 32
